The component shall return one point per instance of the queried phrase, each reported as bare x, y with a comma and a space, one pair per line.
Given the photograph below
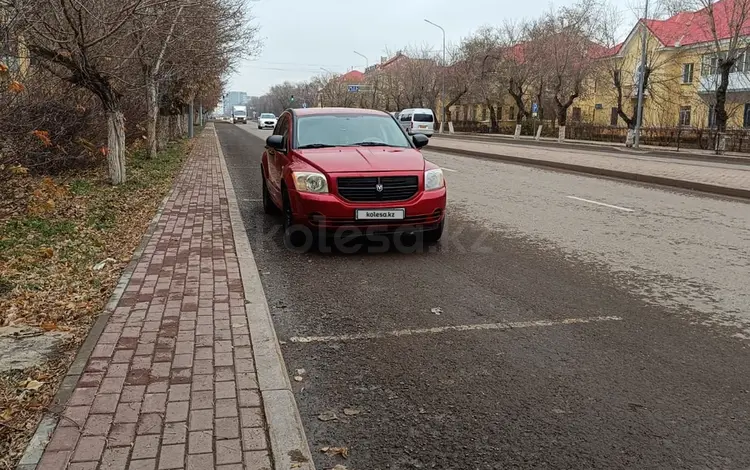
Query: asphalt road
582, 359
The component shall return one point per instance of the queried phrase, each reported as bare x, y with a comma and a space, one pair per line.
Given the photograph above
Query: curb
599, 147
289, 446
48, 423
590, 170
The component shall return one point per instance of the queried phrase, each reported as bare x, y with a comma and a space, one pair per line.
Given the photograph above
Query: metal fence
738, 140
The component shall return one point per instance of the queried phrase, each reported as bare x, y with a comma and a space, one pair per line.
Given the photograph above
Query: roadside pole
191, 131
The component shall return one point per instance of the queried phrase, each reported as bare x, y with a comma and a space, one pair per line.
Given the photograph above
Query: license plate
380, 214
423, 127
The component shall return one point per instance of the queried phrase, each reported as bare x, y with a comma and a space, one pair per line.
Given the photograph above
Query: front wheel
295, 237
433, 236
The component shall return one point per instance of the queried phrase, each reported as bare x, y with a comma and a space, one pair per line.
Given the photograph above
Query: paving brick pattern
720, 174
171, 383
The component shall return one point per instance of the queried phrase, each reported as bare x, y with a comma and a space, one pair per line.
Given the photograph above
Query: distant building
234, 98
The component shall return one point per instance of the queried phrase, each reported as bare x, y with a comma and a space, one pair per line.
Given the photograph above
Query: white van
417, 121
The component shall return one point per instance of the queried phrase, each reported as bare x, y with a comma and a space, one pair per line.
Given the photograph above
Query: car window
405, 117
267, 116
282, 128
349, 129
423, 117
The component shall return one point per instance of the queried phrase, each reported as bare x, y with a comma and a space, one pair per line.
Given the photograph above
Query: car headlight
310, 182
433, 179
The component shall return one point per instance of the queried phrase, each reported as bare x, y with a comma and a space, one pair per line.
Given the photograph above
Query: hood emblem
379, 188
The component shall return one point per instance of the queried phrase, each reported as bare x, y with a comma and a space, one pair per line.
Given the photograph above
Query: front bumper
331, 213
267, 125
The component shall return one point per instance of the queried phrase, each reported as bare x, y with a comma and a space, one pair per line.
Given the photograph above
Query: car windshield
423, 117
267, 116
239, 113
341, 130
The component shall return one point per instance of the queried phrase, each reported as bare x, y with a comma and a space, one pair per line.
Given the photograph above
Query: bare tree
728, 23
563, 40
485, 50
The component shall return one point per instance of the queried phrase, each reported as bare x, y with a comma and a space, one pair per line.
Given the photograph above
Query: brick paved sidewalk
709, 173
171, 382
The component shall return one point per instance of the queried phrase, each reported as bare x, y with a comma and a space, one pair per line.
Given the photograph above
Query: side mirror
420, 140
276, 142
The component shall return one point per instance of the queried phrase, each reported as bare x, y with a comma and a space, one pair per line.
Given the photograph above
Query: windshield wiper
374, 144
316, 146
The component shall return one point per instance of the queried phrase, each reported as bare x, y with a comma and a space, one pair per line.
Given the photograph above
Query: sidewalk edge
289, 445
49, 421
599, 146
591, 170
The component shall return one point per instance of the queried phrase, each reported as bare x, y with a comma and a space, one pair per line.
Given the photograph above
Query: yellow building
681, 86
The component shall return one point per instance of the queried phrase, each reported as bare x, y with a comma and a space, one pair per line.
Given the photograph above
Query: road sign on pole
304, 105
353, 88
534, 109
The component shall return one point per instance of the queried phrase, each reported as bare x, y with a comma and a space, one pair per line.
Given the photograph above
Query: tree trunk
725, 67
116, 146
152, 103
494, 126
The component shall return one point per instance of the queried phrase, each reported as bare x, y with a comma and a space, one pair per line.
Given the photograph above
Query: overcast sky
301, 36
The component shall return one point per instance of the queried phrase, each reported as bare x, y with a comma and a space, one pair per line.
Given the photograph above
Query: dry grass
47, 255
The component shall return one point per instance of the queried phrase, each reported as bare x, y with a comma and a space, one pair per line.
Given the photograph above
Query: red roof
688, 28
353, 76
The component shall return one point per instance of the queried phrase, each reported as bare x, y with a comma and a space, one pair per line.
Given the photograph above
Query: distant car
330, 169
267, 121
417, 121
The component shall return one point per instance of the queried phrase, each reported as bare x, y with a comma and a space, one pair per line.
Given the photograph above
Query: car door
277, 157
273, 156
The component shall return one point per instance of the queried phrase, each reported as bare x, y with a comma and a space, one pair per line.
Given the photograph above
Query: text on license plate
380, 214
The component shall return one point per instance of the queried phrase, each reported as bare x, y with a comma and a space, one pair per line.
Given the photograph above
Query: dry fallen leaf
6, 415
327, 416
47, 252
298, 378
339, 467
49, 326
33, 385
342, 451
349, 411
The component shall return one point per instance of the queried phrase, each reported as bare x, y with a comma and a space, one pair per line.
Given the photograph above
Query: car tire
433, 236
294, 238
269, 207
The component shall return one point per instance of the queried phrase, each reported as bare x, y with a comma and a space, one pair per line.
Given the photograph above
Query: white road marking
444, 329
601, 204
448, 169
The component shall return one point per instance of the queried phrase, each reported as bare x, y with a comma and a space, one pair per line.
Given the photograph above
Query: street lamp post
442, 93
367, 61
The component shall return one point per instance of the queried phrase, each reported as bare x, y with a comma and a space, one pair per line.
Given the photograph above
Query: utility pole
442, 92
642, 73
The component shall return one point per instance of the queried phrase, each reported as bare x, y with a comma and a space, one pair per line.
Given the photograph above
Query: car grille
364, 189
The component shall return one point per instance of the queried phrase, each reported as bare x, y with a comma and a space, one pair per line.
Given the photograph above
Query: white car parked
266, 121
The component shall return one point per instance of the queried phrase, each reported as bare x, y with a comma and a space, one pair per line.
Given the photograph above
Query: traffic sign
353, 88
534, 108
304, 105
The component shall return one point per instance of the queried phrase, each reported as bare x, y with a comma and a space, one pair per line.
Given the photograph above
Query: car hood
364, 159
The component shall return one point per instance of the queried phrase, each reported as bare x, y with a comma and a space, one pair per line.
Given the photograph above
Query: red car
333, 170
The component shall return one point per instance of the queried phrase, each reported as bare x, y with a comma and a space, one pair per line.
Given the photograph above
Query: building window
712, 116
687, 73
685, 115
708, 65
484, 113
613, 115
576, 114
746, 116
617, 77
512, 113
